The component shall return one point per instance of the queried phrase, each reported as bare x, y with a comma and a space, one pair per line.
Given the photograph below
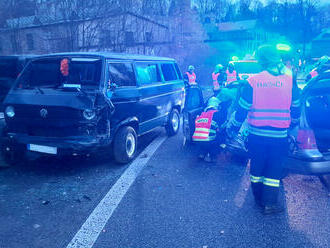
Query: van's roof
108, 55
24, 56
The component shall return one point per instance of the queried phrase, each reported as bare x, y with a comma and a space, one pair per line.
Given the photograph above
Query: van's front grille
57, 122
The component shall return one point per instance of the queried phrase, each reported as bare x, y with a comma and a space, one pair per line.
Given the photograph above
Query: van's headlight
10, 111
89, 114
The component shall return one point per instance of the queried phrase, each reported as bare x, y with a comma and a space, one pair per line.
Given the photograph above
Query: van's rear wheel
125, 145
173, 123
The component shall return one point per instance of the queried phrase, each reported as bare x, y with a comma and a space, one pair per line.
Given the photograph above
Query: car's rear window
8, 68
169, 72
65, 72
247, 67
147, 73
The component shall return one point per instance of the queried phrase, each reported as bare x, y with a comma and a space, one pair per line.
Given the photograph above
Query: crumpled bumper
75, 143
306, 167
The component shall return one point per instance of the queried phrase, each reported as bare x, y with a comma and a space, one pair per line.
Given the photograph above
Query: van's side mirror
111, 85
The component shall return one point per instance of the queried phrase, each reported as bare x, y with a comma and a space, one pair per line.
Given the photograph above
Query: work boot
272, 209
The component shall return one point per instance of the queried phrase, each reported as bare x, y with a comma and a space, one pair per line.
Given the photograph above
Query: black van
74, 103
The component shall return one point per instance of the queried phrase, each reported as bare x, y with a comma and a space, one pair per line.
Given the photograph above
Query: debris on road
45, 202
222, 232
87, 198
36, 226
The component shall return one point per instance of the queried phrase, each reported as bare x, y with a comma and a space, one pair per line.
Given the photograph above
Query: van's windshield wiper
40, 90
80, 90
28, 87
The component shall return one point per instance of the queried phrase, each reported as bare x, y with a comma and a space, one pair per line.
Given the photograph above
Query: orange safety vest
231, 77
205, 127
216, 85
272, 96
191, 77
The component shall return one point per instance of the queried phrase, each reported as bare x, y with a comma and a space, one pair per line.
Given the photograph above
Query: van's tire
125, 145
12, 157
173, 123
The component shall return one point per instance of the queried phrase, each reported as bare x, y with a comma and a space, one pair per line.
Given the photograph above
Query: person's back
206, 132
271, 103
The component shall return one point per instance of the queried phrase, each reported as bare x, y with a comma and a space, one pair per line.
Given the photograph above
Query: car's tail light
306, 139
307, 147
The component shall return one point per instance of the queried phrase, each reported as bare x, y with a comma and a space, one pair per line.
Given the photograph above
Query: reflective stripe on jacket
313, 73
216, 85
231, 77
191, 77
272, 96
205, 127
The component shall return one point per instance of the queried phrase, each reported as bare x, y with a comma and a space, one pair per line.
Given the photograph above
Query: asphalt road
165, 198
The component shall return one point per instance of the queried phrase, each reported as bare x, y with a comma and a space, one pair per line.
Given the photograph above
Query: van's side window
178, 71
122, 74
147, 73
169, 72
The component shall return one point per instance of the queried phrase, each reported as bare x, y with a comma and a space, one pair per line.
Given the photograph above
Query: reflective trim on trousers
271, 182
255, 179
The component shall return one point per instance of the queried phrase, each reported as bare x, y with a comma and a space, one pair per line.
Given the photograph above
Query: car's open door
312, 138
194, 105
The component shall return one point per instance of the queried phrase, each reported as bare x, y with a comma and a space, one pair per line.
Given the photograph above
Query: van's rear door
194, 105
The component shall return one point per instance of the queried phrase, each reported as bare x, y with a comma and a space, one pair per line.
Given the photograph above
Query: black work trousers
267, 157
211, 147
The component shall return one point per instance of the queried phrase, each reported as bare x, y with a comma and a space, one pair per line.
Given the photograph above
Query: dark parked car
10, 67
74, 103
309, 142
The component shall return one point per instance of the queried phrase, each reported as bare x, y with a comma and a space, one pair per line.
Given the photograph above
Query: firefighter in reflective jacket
207, 128
218, 78
271, 103
190, 75
231, 74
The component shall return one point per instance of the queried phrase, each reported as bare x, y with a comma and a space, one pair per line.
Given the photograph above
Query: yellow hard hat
218, 67
213, 103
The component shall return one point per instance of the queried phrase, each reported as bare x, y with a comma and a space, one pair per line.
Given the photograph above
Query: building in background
66, 25
321, 45
239, 38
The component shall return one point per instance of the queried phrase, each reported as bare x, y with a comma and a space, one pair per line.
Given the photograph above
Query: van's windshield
8, 68
61, 73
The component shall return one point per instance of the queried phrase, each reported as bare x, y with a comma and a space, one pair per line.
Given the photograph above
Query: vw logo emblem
43, 113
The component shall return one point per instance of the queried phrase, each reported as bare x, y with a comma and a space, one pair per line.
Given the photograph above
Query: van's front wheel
173, 123
125, 145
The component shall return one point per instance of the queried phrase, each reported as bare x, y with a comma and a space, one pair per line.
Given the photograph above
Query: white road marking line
90, 230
